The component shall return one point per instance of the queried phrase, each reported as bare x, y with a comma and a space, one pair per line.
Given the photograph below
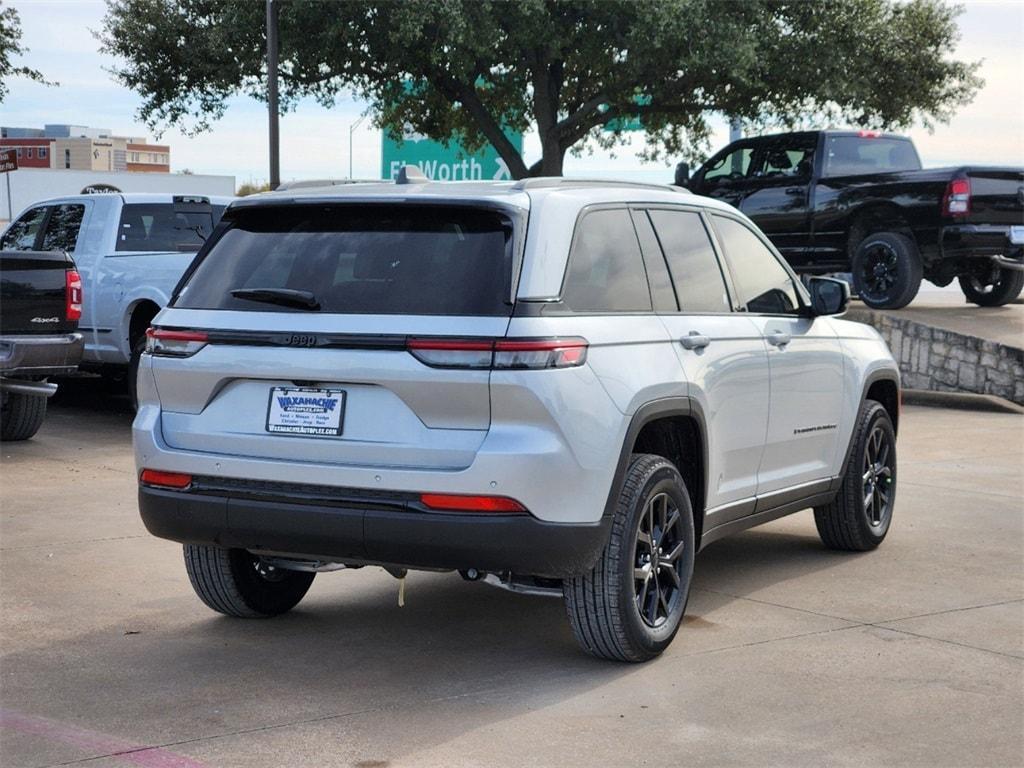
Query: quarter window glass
22, 234
731, 167
63, 227
606, 270
764, 286
691, 259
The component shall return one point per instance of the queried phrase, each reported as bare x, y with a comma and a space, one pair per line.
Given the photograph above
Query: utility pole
351, 130
274, 135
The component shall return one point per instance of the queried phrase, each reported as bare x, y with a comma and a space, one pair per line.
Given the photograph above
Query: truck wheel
1005, 288
21, 416
859, 517
887, 270
237, 583
630, 605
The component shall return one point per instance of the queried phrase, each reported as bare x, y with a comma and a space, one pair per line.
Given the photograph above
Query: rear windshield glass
858, 156
365, 259
158, 227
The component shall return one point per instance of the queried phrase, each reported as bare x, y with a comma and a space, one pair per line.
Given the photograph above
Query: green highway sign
442, 162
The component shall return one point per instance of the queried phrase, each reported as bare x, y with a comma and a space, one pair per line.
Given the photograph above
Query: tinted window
606, 270
695, 270
158, 227
22, 233
362, 260
730, 167
856, 155
787, 162
63, 227
764, 286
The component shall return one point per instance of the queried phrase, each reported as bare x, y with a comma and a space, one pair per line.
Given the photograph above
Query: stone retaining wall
945, 361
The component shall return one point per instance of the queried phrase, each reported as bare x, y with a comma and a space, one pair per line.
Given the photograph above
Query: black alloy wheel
657, 562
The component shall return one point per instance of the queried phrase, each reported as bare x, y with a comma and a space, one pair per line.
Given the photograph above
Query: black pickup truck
40, 304
859, 201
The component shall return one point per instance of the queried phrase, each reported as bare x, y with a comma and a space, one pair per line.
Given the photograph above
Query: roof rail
548, 182
410, 174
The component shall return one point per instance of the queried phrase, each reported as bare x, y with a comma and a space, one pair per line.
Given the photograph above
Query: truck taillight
515, 354
72, 295
957, 200
165, 342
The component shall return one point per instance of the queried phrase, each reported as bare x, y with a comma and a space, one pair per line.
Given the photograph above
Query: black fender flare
882, 374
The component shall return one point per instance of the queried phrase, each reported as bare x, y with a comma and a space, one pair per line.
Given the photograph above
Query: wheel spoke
641, 599
868, 497
662, 602
672, 556
652, 613
642, 537
670, 569
673, 519
641, 574
883, 456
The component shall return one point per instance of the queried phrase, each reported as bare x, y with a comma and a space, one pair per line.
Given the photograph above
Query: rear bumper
982, 240
363, 532
40, 355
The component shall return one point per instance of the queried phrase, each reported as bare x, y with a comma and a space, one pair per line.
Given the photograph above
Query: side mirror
682, 175
828, 296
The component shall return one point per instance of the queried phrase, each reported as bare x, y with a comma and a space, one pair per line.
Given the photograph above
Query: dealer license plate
306, 411
1017, 235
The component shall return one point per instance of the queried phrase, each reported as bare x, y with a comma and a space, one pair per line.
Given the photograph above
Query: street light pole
274, 136
352, 130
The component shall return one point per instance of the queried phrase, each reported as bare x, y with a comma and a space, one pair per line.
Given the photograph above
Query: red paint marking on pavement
146, 757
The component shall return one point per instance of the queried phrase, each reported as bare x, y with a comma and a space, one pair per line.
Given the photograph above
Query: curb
960, 400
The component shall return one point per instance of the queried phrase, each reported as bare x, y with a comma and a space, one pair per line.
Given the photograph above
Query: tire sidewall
1003, 292
663, 479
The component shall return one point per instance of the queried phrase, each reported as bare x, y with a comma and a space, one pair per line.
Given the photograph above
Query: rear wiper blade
286, 297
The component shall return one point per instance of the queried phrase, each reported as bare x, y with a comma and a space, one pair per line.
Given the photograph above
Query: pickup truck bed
40, 303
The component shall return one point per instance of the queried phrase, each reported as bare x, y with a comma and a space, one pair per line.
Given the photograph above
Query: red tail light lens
159, 479
452, 353
458, 503
164, 342
519, 354
540, 353
957, 200
72, 295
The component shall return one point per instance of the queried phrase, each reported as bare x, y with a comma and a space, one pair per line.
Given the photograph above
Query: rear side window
606, 269
857, 156
764, 286
361, 259
696, 273
22, 234
63, 227
158, 227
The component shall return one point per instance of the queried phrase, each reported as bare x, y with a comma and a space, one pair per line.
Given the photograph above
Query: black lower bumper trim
518, 543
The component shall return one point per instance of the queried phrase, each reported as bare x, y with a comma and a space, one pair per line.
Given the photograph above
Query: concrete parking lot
791, 654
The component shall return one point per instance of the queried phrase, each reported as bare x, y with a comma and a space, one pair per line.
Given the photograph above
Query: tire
21, 416
133, 371
887, 270
1006, 288
860, 516
235, 583
604, 604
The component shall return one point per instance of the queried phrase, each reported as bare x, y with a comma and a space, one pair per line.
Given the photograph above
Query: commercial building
81, 148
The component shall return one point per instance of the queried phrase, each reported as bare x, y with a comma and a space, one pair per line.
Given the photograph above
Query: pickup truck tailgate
997, 196
33, 293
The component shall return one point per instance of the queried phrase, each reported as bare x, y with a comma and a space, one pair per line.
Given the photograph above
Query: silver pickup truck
130, 249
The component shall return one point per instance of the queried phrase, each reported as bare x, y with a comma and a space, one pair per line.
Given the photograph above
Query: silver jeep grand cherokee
553, 385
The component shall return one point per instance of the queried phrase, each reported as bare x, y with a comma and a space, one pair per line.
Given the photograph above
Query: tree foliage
566, 67
10, 47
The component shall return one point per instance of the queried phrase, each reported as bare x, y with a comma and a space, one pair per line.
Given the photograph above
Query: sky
315, 141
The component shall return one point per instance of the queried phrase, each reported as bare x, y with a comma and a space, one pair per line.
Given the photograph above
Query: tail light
957, 200
158, 479
458, 503
164, 342
500, 354
72, 295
